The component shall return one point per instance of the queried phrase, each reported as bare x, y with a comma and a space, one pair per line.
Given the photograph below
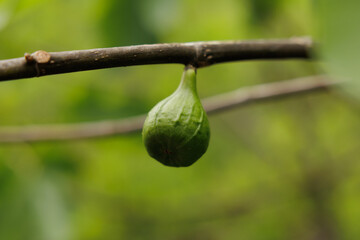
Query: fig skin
176, 131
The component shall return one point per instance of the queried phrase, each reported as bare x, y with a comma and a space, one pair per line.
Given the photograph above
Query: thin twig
198, 54
218, 103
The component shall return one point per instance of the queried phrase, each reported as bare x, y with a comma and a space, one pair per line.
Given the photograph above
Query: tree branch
218, 103
199, 54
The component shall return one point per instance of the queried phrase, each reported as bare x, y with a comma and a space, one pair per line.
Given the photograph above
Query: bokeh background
284, 169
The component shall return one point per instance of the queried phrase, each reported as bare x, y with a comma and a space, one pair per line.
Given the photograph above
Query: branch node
41, 56
29, 58
204, 56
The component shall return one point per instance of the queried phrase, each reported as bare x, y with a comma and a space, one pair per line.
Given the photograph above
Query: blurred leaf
123, 24
50, 210
340, 40
263, 10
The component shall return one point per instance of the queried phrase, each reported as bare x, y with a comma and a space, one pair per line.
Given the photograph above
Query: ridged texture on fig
176, 131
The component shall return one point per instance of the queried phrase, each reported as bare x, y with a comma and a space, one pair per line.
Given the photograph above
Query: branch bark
218, 103
198, 54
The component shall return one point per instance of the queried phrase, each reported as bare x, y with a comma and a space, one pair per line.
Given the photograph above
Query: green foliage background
284, 169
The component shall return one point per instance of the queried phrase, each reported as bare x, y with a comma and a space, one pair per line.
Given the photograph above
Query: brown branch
199, 54
212, 105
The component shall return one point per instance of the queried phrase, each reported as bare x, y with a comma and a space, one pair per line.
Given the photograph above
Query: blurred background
284, 169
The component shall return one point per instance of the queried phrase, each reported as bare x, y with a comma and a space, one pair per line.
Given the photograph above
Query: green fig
176, 131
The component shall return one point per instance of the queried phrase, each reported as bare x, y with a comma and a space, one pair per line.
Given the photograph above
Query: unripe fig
176, 131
